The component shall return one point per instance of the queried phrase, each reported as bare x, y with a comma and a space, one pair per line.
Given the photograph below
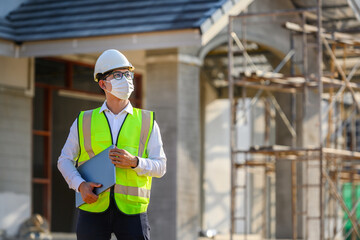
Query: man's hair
101, 76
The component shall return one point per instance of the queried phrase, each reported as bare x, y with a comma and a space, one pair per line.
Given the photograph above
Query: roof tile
55, 19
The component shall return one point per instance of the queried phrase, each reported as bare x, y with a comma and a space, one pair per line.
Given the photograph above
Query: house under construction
297, 176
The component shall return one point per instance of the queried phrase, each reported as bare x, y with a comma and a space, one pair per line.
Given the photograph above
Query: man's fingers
92, 184
116, 155
115, 158
117, 151
87, 192
91, 198
114, 161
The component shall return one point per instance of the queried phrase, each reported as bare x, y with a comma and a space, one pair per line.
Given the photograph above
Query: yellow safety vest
131, 192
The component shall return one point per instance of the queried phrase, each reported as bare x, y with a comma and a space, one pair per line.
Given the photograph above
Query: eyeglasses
118, 75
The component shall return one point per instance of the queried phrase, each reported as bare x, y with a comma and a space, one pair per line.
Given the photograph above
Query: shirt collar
128, 108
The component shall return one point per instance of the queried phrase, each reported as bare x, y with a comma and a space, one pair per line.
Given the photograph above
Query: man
138, 156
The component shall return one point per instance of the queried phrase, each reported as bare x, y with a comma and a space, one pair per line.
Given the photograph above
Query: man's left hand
122, 158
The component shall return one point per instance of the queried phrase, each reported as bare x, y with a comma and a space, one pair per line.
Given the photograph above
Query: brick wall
15, 159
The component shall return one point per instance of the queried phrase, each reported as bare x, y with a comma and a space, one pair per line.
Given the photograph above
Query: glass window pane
38, 156
50, 72
38, 122
83, 79
38, 198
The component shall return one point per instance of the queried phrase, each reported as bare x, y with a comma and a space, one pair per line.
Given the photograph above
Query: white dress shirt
153, 166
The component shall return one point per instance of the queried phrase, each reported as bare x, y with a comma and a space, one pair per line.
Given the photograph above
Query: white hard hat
109, 60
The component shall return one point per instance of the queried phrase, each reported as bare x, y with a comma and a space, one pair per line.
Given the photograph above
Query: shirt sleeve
155, 164
66, 161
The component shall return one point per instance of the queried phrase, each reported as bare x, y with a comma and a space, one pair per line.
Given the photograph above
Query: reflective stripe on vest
87, 133
132, 192
145, 128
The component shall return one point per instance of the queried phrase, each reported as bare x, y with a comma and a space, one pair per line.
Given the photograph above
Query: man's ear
102, 84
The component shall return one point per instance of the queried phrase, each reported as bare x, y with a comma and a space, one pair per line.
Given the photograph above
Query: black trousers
99, 226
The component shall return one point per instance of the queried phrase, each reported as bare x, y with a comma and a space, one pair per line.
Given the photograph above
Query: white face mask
121, 88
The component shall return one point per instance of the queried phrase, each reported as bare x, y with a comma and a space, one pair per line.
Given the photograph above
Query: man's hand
122, 158
86, 190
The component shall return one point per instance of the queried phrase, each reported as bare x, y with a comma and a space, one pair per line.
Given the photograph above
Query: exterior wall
217, 167
217, 170
266, 30
15, 147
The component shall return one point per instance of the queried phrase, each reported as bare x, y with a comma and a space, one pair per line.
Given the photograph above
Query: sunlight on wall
14, 209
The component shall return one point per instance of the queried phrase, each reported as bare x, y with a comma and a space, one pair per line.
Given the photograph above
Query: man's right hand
86, 190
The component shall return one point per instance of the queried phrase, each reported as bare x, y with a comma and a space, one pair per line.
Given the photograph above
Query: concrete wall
15, 147
217, 169
268, 30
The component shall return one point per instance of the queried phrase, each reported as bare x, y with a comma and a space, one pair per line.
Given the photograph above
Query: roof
61, 19
6, 30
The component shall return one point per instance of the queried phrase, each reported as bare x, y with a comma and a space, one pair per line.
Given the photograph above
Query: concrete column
172, 91
311, 138
284, 228
312, 173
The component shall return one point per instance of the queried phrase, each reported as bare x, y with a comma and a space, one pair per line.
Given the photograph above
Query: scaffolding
318, 172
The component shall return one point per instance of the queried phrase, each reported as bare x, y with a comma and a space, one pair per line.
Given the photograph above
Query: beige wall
15, 72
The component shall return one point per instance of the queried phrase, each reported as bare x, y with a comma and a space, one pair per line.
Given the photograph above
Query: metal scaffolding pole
320, 90
232, 127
